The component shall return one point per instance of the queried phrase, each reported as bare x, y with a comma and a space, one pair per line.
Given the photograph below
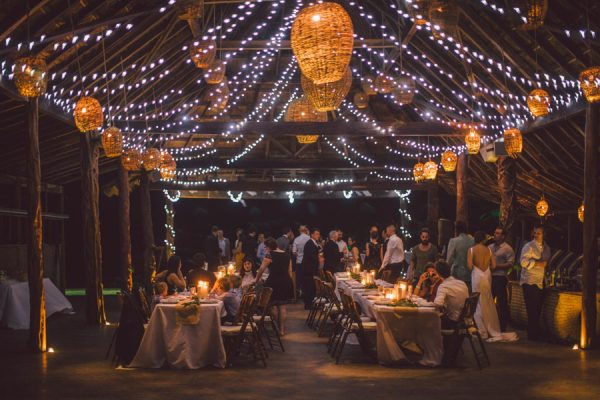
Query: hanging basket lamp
418, 10
538, 102
307, 139
151, 159
189, 9
404, 91
301, 110
542, 207
430, 170
132, 160
589, 82
327, 96
203, 52
449, 160
419, 172
535, 13
513, 142
88, 114
215, 72
384, 84
112, 142
168, 166
31, 76
218, 97
322, 39
473, 141
366, 84
443, 16
361, 100
580, 212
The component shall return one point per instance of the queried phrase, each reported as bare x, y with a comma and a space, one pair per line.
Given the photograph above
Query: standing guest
224, 246
331, 254
343, 247
384, 241
422, 254
199, 272
373, 250
505, 258
534, 260
261, 249
353, 249
394, 254
247, 274
285, 240
428, 283
280, 279
458, 248
310, 267
250, 245
223, 291
238, 254
212, 250
298, 254
174, 277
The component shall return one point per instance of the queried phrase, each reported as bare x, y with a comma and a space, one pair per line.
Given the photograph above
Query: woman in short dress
280, 280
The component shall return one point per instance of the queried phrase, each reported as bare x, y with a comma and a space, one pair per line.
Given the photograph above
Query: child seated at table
224, 292
161, 290
236, 284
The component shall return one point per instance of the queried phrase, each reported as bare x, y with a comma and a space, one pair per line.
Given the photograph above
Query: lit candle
230, 269
220, 274
402, 288
202, 289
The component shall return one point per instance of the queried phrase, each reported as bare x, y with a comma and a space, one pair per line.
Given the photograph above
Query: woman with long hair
174, 277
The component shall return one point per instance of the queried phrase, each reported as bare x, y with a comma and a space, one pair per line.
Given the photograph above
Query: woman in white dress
481, 262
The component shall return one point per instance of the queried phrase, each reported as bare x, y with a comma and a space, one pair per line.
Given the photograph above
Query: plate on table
170, 300
376, 298
209, 301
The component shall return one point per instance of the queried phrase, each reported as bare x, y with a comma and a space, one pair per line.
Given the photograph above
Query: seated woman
428, 284
174, 277
247, 274
223, 291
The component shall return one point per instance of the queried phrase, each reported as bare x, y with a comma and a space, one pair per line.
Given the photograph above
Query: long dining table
398, 327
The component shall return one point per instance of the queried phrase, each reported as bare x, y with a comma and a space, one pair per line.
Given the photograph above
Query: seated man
451, 295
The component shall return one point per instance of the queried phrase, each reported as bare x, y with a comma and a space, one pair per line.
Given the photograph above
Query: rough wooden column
92, 247
124, 229
37, 304
507, 180
433, 210
462, 211
147, 230
590, 227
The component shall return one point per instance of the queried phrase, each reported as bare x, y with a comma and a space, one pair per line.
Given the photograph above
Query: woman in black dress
373, 250
280, 280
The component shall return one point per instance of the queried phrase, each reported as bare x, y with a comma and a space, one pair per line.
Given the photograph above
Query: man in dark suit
310, 267
332, 254
212, 250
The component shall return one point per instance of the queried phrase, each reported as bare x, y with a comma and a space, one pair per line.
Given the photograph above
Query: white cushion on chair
233, 329
367, 326
257, 318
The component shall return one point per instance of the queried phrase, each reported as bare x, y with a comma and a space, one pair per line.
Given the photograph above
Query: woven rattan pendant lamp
327, 96
513, 142
449, 160
301, 110
88, 114
132, 160
112, 142
322, 39
168, 166
203, 52
215, 72
31, 76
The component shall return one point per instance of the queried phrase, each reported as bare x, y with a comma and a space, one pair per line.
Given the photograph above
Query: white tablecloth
14, 303
396, 325
182, 346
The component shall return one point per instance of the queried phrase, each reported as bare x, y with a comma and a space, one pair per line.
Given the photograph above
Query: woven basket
88, 114
404, 90
189, 9
589, 82
513, 142
215, 73
443, 16
542, 207
418, 11
449, 160
430, 170
383, 84
203, 52
31, 76
307, 139
112, 142
472, 141
132, 160
366, 84
538, 102
361, 100
322, 39
301, 110
535, 13
151, 159
218, 97
419, 172
327, 96
168, 166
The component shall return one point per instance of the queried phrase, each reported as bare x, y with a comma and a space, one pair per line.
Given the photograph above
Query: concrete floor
77, 370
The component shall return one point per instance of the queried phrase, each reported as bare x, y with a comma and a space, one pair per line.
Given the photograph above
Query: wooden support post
147, 231
590, 227
37, 303
462, 212
124, 230
92, 247
507, 180
433, 210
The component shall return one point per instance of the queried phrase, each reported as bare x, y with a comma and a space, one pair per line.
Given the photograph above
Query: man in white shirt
342, 246
298, 254
394, 254
534, 260
451, 295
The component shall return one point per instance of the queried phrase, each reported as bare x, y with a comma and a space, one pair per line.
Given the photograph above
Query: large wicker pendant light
404, 91
538, 102
322, 40
419, 171
418, 10
535, 13
384, 84
449, 160
203, 52
443, 16
301, 110
151, 159
168, 166
88, 114
327, 96
472, 141
112, 142
542, 207
189, 9
580, 212
215, 72
430, 170
361, 100
589, 82
513, 142
132, 160
31, 76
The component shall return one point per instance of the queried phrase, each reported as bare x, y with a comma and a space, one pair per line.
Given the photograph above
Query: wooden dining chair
318, 302
265, 321
355, 324
331, 308
339, 325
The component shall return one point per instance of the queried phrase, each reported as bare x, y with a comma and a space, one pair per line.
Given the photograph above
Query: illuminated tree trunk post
462, 211
125, 266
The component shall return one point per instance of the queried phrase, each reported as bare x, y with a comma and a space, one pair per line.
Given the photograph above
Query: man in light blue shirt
457, 253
